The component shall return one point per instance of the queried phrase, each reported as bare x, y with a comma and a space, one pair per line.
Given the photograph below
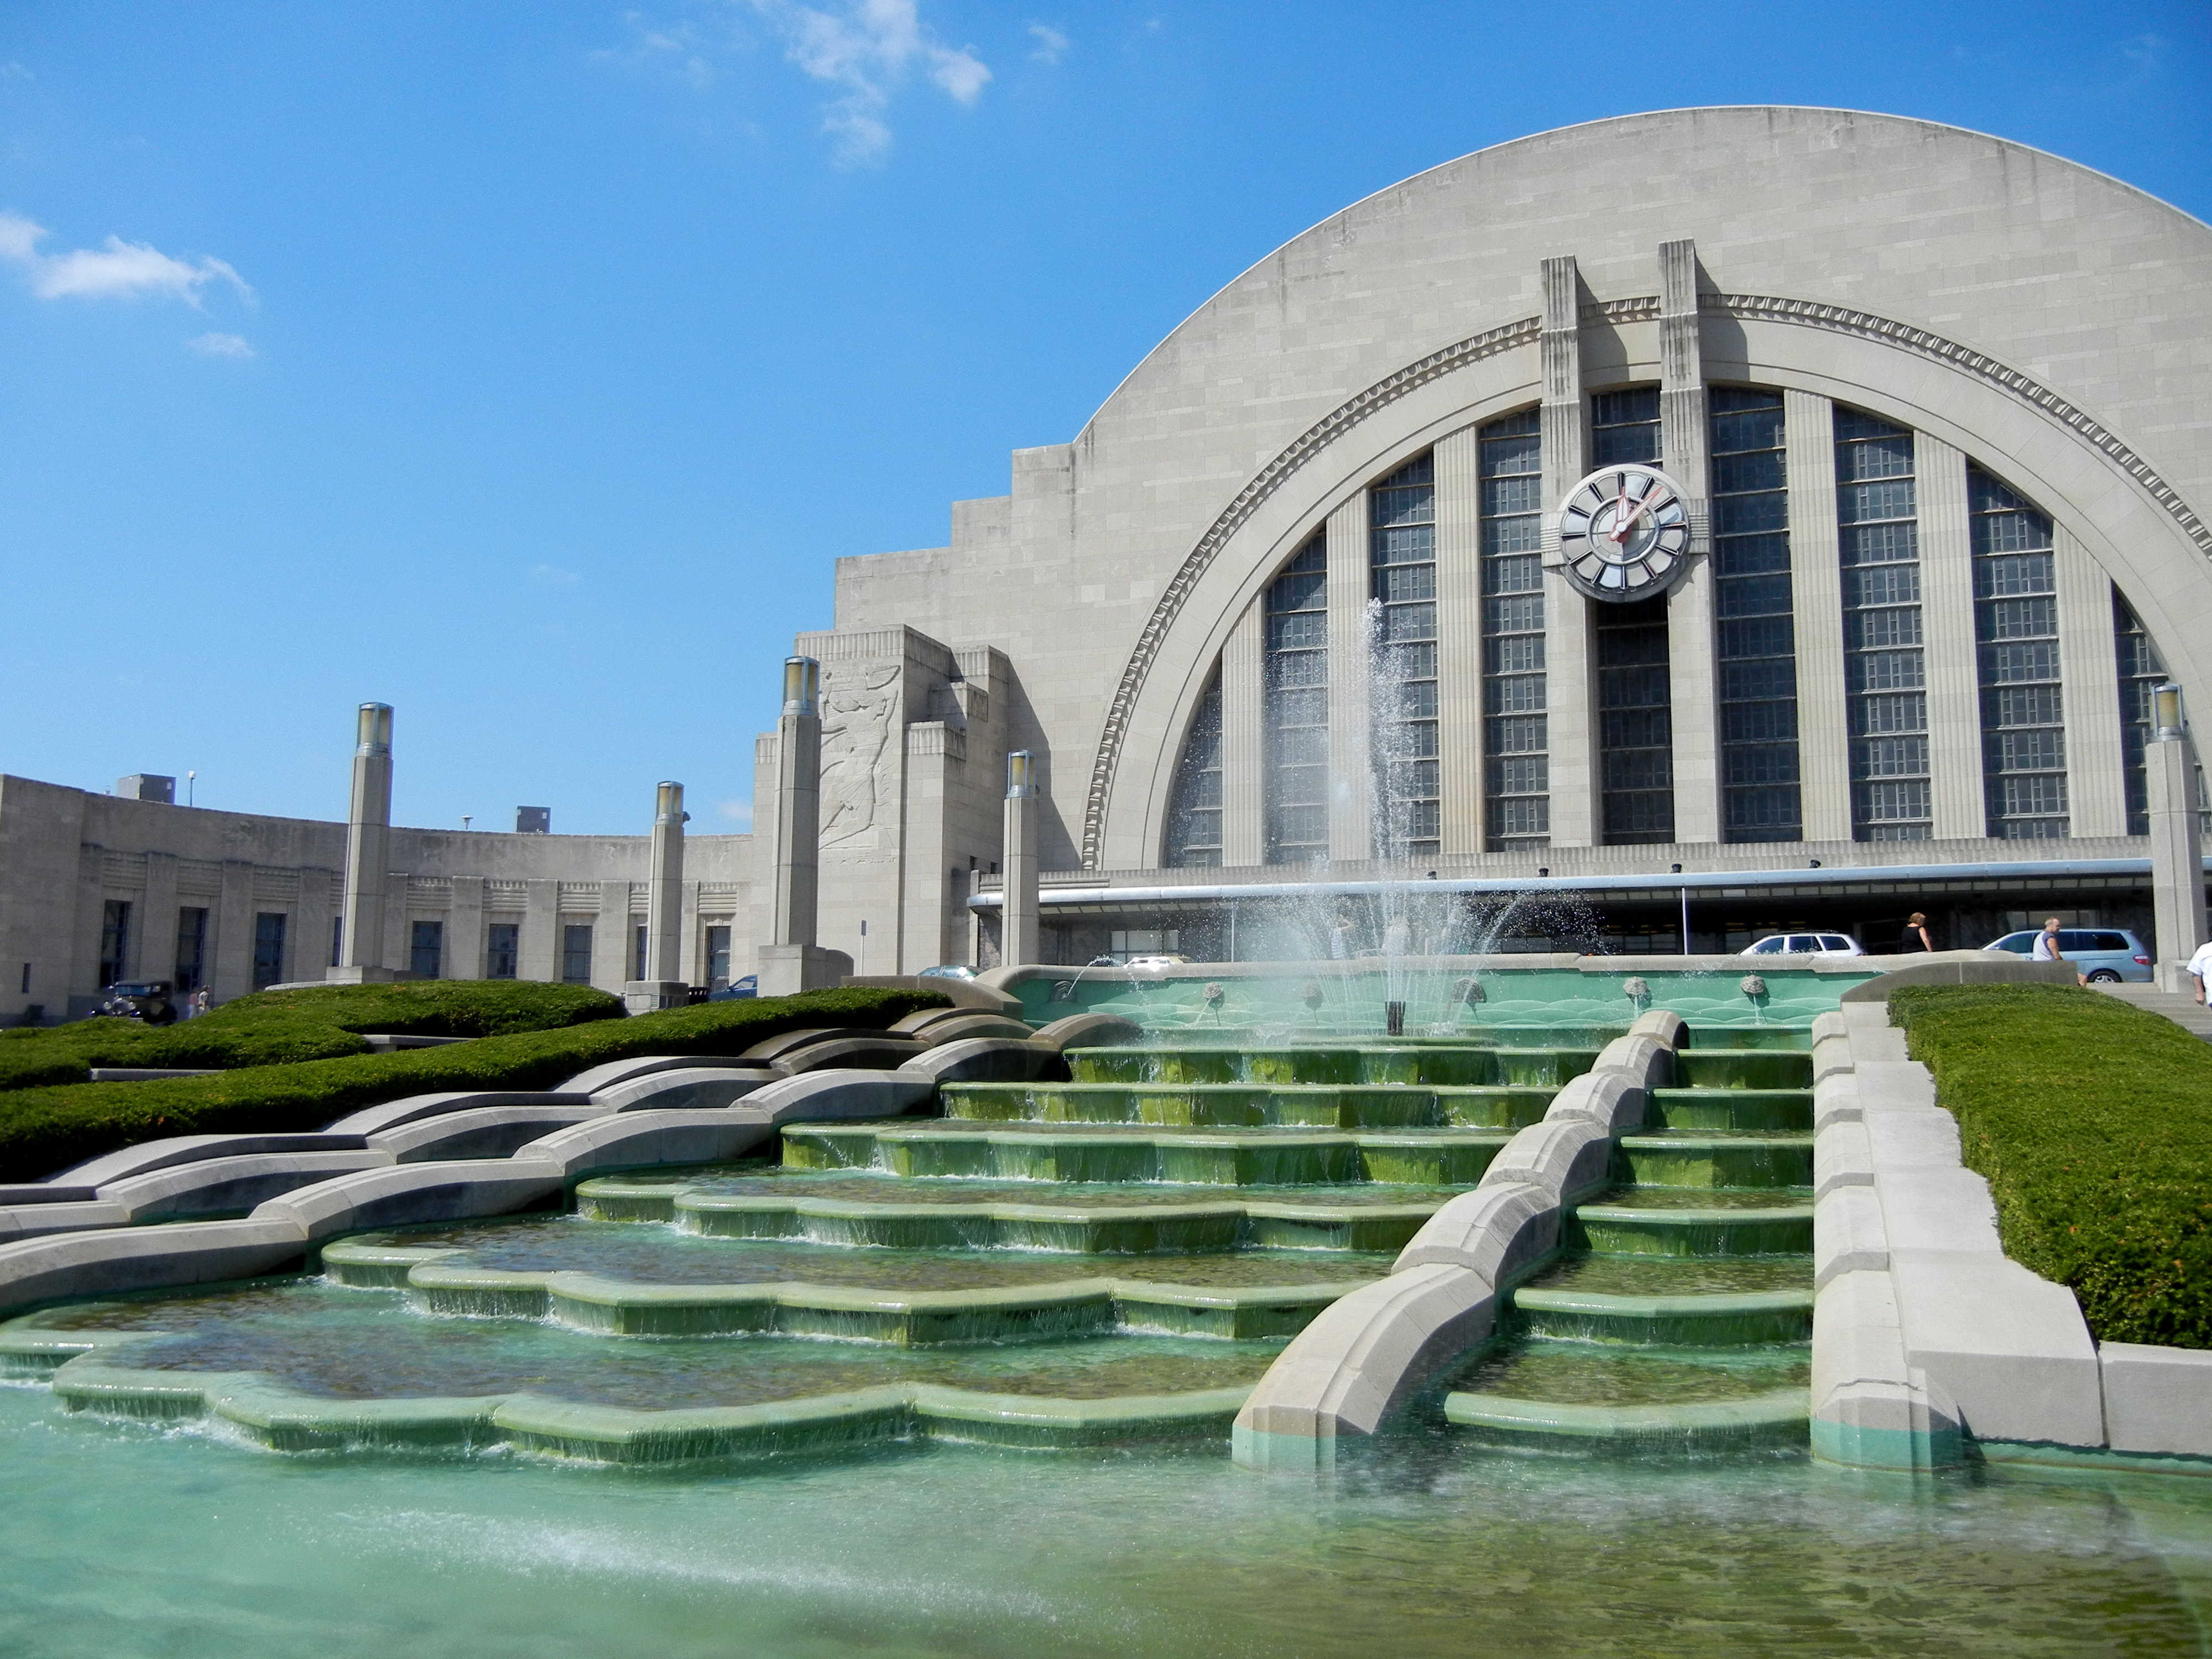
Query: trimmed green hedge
2092, 1121
45, 1130
276, 1028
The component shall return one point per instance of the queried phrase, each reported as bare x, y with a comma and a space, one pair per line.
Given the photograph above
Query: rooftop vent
144, 786
533, 820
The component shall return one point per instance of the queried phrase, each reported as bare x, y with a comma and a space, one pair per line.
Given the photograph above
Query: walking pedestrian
1915, 934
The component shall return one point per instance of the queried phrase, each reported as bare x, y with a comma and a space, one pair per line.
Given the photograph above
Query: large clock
1624, 533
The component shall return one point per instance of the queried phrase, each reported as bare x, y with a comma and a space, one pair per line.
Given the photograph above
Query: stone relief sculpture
861, 710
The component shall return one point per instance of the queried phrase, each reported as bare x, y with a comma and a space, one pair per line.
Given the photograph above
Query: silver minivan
2104, 955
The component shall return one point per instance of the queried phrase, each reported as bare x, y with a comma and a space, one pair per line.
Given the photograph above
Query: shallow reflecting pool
127, 1540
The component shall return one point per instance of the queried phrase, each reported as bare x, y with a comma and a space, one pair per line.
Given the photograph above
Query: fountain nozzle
1638, 991
1752, 987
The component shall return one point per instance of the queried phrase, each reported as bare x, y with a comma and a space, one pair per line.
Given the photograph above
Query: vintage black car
148, 999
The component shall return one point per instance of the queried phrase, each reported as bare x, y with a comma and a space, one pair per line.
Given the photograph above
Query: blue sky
526, 366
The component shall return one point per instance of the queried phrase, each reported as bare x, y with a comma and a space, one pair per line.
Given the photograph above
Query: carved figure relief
861, 710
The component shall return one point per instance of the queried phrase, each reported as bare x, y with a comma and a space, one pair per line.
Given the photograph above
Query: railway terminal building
1767, 516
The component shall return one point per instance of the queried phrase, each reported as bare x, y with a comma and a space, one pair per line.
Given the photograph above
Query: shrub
2092, 1121
279, 1027
45, 1130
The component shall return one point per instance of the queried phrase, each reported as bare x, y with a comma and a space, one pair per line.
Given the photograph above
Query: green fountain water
800, 1359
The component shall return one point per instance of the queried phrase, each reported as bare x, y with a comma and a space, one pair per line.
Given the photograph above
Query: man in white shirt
2200, 966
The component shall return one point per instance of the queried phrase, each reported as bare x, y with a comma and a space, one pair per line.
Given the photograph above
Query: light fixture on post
2166, 712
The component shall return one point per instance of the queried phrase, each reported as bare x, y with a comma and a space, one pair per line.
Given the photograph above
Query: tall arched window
2016, 647
1757, 643
1195, 811
1295, 708
1515, 730
1885, 674
1401, 515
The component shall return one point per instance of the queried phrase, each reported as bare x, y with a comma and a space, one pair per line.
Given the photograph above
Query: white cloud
739, 812
222, 345
1052, 44
2144, 52
677, 46
553, 574
118, 269
868, 48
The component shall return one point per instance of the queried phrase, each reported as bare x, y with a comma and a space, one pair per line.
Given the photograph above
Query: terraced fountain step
1632, 1223
1567, 1393
1784, 1110
1669, 1302
1239, 1157
1743, 1068
1346, 1106
1458, 1032
1708, 1158
878, 1210
302, 1366
1451, 1065
1232, 1300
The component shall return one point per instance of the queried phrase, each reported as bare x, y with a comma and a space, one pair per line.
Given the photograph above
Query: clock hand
1624, 519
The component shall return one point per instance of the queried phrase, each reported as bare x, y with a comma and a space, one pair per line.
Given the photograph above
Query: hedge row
2092, 1121
275, 1028
45, 1130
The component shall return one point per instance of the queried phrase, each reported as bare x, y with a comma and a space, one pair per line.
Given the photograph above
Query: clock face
1624, 533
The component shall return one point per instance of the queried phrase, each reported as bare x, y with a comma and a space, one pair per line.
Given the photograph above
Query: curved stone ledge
1778, 1417
683, 1087
277, 1417
479, 1131
440, 1284
1363, 1361
1090, 1031
1104, 1228
146, 1258
393, 1113
939, 1026
1428, 1158
987, 1059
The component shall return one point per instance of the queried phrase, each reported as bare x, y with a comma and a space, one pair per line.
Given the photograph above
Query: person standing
2046, 947
2200, 967
1915, 934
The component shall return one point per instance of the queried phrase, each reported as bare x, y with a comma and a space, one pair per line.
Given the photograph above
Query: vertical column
462, 945
2177, 849
1566, 613
368, 836
1685, 440
232, 971
935, 766
1351, 792
1946, 601
611, 951
797, 805
395, 934
1243, 739
310, 952
155, 951
1019, 933
2096, 780
541, 932
1458, 638
1808, 435
664, 939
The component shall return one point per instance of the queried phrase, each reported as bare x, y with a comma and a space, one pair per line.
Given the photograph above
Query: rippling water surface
128, 1541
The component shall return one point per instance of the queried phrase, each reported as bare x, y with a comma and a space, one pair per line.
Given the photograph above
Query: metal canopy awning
1838, 882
